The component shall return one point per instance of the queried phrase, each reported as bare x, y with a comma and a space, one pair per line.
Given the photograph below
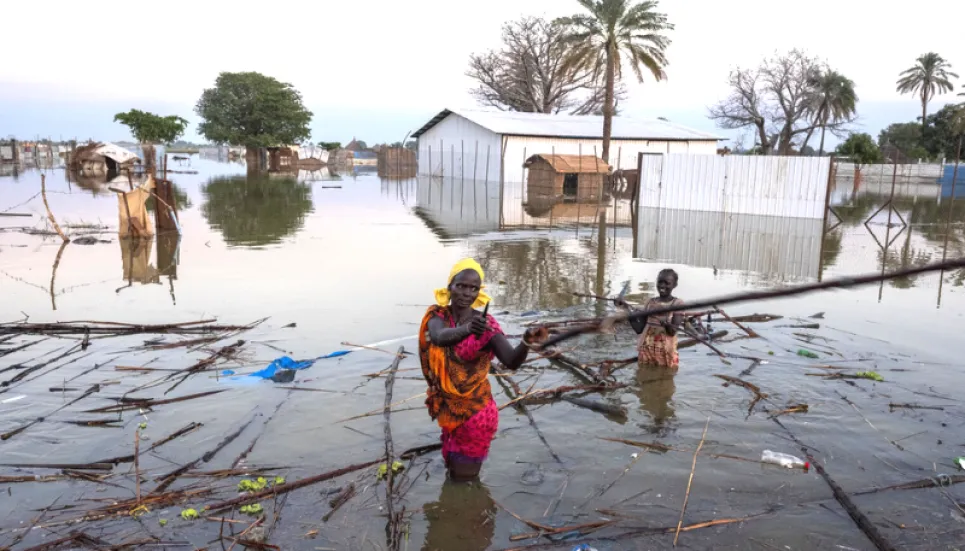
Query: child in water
658, 334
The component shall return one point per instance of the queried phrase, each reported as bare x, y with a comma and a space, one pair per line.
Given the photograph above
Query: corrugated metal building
493, 145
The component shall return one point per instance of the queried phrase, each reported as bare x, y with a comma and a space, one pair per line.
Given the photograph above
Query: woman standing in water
658, 334
456, 348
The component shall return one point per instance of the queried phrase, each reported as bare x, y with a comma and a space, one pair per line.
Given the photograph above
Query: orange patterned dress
459, 397
656, 347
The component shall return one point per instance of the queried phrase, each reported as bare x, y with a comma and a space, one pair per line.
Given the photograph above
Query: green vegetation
616, 33
930, 76
861, 149
330, 146
149, 129
252, 110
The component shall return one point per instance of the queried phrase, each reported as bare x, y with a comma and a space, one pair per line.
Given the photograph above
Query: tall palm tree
833, 100
930, 76
614, 31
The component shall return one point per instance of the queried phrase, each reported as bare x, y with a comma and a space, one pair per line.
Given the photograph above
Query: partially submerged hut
101, 158
282, 159
566, 178
397, 163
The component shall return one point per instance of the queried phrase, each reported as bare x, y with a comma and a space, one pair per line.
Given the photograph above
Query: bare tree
746, 107
528, 73
779, 101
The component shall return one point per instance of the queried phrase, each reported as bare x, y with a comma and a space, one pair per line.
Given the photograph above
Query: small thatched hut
567, 178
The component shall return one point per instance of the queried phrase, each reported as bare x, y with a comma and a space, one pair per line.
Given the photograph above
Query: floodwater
353, 258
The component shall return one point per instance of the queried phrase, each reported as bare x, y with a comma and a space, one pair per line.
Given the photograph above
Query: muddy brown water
359, 263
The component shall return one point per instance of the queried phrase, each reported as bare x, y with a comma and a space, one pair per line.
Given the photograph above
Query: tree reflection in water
463, 518
256, 209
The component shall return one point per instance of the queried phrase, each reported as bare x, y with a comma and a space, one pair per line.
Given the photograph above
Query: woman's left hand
535, 335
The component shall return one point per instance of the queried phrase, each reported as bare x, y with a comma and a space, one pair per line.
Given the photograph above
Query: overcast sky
378, 69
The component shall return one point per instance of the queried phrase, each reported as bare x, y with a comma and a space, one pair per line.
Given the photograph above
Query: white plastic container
784, 460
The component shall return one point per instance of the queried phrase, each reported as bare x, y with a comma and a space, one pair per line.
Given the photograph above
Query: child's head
666, 282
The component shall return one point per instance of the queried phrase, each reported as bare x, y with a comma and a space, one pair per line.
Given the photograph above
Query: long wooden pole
596, 324
50, 214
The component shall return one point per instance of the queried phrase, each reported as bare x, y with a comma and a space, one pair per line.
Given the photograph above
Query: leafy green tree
255, 210
833, 100
930, 76
945, 129
614, 32
861, 149
150, 129
330, 146
252, 110
905, 136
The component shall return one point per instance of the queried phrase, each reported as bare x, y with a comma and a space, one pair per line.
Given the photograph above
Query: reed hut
282, 159
565, 178
397, 163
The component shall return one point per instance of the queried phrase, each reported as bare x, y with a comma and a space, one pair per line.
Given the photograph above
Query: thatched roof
568, 164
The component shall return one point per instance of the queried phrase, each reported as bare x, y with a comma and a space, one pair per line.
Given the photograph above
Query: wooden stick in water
693, 467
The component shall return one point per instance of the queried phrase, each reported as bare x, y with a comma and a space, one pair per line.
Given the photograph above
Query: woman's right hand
620, 303
477, 326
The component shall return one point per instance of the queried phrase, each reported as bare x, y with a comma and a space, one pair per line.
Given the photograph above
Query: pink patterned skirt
469, 443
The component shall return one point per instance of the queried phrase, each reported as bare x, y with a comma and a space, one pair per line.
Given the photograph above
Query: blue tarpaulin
285, 363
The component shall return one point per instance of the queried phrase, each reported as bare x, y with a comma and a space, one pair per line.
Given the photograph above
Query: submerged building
494, 145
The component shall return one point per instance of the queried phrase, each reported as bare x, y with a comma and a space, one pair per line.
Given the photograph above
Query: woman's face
464, 289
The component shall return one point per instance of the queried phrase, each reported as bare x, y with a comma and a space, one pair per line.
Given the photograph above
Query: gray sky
379, 69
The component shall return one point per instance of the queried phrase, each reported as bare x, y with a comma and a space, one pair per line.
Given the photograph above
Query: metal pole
827, 210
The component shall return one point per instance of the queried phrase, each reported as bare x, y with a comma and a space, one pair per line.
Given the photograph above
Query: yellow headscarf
442, 295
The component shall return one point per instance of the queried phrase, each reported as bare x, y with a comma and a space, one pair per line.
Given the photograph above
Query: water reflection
181, 199
463, 518
655, 389
776, 249
905, 231
256, 209
136, 262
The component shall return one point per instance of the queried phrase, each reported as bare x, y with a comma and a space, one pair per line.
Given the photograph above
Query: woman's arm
510, 357
443, 336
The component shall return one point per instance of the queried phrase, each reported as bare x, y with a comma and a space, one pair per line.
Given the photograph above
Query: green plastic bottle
807, 354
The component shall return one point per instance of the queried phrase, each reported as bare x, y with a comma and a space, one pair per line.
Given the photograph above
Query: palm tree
930, 76
833, 100
614, 31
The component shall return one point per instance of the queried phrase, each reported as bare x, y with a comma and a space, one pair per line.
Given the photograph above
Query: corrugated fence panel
740, 184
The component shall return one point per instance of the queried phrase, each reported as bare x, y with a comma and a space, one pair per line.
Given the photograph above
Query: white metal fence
737, 184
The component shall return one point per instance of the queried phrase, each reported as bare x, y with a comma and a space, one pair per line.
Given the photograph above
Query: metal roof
586, 164
512, 123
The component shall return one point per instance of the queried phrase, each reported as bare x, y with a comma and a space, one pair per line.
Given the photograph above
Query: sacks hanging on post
133, 220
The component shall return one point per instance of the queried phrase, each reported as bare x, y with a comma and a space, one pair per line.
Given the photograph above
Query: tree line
576, 64
790, 97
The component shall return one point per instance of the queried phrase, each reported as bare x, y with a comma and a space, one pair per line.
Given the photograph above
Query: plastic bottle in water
784, 460
583, 547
